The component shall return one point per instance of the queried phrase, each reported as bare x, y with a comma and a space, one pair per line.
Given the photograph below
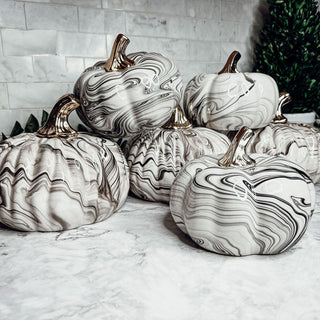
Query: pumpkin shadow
170, 225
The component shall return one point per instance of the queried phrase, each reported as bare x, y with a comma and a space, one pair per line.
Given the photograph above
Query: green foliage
289, 51
32, 125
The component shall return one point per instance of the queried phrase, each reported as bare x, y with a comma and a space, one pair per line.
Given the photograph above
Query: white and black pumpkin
58, 179
299, 142
155, 157
241, 205
230, 100
125, 94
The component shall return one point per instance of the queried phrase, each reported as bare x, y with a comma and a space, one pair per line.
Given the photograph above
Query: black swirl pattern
231, 100
262, 210
120, 104
155, 157
58, 184
300, 143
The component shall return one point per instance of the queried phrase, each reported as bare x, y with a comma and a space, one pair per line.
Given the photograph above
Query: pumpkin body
122, 103
264, 209
300, 143
229, 101
155, 157
51, 184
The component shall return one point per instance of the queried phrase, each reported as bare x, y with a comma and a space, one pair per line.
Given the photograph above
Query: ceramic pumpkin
58, 179
125, 94
241, 205
299, 142
155, 157
230, 100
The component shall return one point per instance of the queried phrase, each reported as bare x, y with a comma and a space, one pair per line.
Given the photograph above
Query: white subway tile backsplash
81, 44
29, 42
41, 57
4, 102
171, 7
210, 9
129, 5
51, 17
50, 68
205, 51
188, 71
35, 95
75, 66
114, 22
141, 24
12, 14
91, 20
176, 7
228, 31
16, 69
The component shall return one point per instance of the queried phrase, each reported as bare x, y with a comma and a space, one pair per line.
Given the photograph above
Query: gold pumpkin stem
236, 155
118, 59
231, 64
284, 98
178, 120
57, 125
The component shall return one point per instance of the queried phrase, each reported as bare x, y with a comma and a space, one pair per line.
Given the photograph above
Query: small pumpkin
58, 179
125, 94
155, 157
230, 100
299, 142
243, 205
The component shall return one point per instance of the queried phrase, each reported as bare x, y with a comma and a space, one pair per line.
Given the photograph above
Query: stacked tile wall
45, 44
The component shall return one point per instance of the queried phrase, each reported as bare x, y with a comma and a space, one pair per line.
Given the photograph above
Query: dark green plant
289, 51
32, 125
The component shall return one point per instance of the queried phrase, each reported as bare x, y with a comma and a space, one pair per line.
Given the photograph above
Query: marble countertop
139, 265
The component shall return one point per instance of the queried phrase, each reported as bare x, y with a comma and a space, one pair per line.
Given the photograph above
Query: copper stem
57, 125
231, 64
118, 59
284, 98
236, 155
178, 120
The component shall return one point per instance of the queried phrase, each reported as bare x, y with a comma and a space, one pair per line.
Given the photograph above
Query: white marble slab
138, 265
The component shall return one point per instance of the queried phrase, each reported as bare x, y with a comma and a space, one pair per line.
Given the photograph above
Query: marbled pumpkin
231, 100
155, 157
51, 184
299, 142
122, 103
262, 209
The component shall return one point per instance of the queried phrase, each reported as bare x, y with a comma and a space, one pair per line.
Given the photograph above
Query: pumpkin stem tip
118, 59
57, 125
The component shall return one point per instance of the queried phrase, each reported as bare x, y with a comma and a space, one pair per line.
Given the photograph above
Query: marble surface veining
139, 265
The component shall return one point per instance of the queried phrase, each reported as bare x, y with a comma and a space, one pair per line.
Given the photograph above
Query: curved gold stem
236, 155
178, 120
231, 64
118, 59
57, 125
284, 98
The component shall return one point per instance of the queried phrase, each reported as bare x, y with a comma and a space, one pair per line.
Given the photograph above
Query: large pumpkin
243, 205
58, 179
155, 157
125, 94
299, 142
230, 100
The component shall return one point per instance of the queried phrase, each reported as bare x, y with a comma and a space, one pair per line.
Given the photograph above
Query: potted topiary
288, 49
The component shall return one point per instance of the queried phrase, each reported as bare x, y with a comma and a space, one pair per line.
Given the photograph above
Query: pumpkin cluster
254, 195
